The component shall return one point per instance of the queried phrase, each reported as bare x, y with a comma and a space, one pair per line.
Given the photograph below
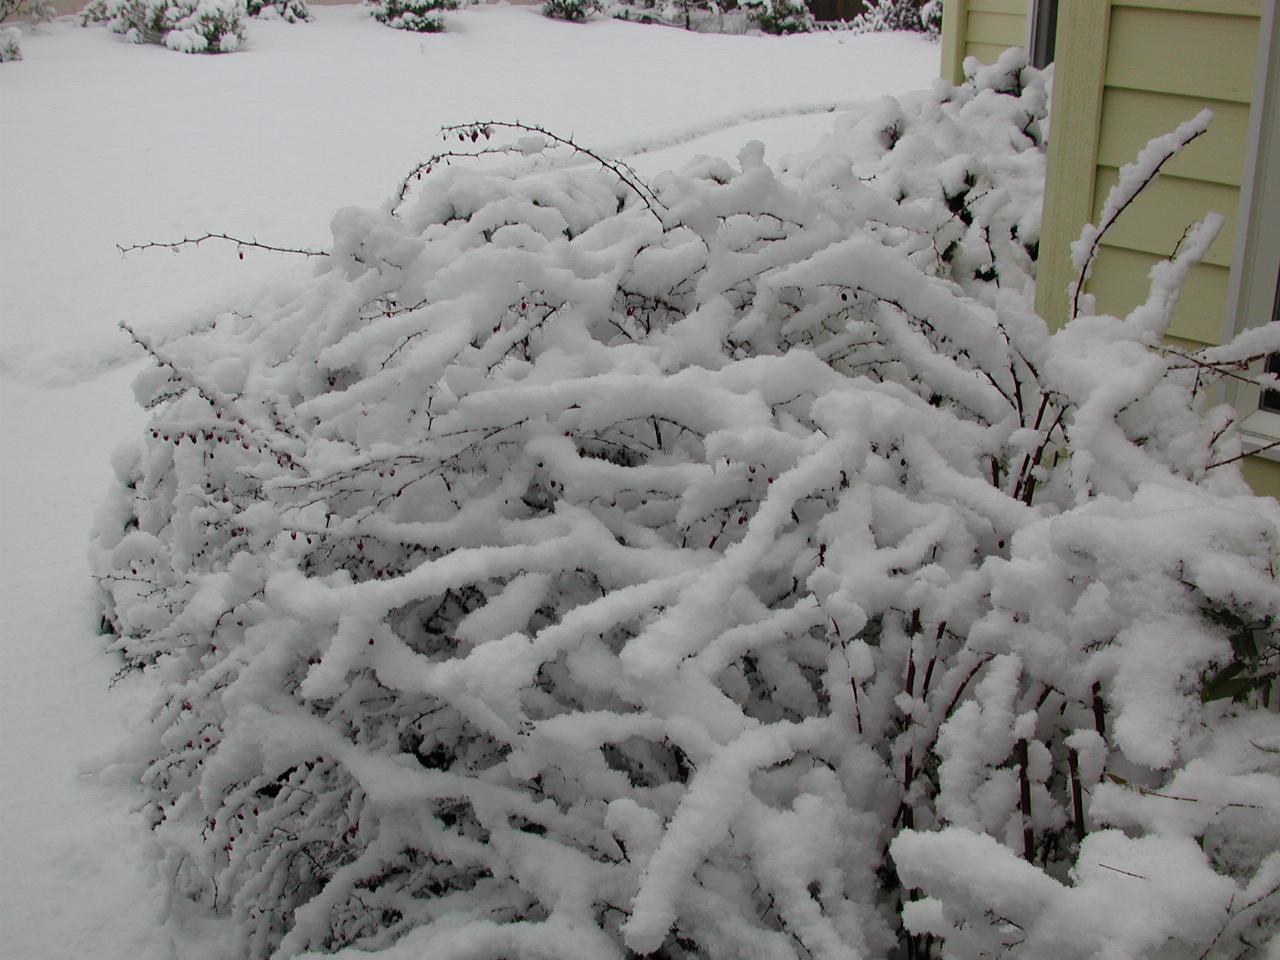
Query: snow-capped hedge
737, 568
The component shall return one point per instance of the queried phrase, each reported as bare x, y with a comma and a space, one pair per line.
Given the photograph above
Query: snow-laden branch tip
1134, 177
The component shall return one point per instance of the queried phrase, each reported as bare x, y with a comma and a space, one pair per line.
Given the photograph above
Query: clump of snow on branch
189, 26
729, 566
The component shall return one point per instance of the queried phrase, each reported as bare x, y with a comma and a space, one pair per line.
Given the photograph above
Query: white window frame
1254, 275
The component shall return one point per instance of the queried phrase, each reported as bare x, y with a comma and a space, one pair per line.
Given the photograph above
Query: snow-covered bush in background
10, 44
568, 568
11, 37
699, 16
573, 10
190, 26
290, 11
33, 10
923, 16
779, 16
419, 16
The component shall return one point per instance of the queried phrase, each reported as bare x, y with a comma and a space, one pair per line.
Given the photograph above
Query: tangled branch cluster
736, 569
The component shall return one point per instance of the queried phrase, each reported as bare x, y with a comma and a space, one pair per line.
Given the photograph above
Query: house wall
982, 29
1163, 61
1126, 71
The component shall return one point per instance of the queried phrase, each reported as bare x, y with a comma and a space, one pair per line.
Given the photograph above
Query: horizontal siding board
1120, 283
1156, 220
1018, 7
1132, 117
1262, 475
1230, 8
1193, 54
1001, 29
985, 52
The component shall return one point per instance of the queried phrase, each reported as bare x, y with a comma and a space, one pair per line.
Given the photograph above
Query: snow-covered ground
104, 142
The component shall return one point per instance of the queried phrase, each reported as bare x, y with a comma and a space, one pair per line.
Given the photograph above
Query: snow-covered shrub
10, 44
33, 10
419, 16
881, 15
573, 10
779, 16
290, 11
699, 16
190, 26
11, 37
568, 568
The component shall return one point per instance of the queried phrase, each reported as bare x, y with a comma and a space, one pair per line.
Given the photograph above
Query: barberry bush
732, 566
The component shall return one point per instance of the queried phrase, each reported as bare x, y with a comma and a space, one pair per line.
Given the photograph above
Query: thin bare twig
1247, 453
1136, 876
196, 241
477, 129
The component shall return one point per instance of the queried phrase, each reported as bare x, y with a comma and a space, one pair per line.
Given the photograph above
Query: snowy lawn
106, 142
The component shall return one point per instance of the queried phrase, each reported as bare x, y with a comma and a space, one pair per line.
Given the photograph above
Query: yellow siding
1162, 68
1262, 475
1120, 284
980, 28
1194, 54
1236, 8
985, 52
1165, 60
1003, 30
1132, 117
1156, 220
1018, 7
